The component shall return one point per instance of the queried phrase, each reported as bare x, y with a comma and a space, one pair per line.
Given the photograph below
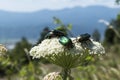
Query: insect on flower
66, 41
54, 33
63, 39
83, 37
85, 40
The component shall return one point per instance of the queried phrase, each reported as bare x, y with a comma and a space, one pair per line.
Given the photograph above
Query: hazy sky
34, 5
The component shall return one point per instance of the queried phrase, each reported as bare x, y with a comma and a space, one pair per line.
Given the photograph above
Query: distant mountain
16, 25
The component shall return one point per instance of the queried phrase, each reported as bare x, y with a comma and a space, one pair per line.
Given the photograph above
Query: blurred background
24, 23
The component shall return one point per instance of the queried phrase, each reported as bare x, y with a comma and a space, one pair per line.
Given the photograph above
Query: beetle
63, 39
66, 41
54, 33
84, 37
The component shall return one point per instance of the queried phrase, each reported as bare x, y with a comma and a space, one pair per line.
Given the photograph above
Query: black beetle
63, 39
54, 33
84, 37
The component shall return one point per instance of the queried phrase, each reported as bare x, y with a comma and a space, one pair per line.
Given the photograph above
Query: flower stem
65, 73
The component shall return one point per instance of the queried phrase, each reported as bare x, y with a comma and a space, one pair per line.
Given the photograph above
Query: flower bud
53, 76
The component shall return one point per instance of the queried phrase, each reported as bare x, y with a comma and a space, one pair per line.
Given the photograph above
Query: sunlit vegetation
18, 65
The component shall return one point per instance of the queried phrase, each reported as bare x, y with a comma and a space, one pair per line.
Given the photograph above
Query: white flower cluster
93, 46
52, 46
53, 76
64, 56
2, 50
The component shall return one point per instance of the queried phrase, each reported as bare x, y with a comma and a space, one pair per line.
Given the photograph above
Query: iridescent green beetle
66, 41
63, 39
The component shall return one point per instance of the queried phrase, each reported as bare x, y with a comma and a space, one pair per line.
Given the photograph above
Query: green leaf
59, 28
88, 58
57, 21
69, 27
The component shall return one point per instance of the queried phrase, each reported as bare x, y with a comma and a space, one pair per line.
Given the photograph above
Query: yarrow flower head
3, 50
53, 46
67, 52
53, 76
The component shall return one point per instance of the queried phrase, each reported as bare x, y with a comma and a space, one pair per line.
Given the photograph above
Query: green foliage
18, 63
3, 65
112, 35
109, 36
118, 17
117, 1
116, 24
57, 21
69, 26
107, 68
64, 28
16, 58
30, 72
18, 54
